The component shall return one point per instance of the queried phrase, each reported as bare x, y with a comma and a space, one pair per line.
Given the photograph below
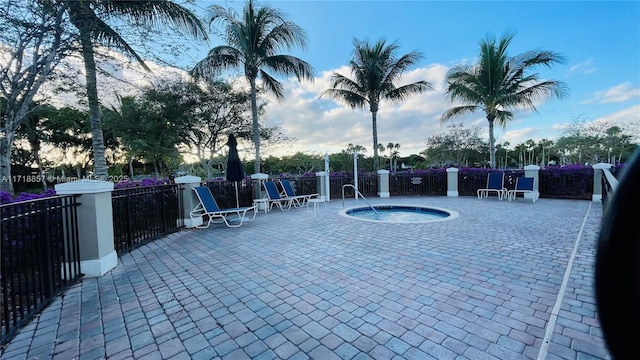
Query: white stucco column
597, 180
258, 191
321, 184
452, 182
383, 183
95, 225
533, 171
189, 199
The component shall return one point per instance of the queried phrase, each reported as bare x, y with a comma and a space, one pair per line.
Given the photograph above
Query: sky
599, 39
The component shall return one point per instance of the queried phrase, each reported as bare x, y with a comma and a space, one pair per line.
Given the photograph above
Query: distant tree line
157, 132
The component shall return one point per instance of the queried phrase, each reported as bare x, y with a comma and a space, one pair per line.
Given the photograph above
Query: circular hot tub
402, 214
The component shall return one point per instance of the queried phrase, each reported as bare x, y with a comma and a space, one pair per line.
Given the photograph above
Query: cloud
117, 75
322, 125
585, 67
325, 125
617, 94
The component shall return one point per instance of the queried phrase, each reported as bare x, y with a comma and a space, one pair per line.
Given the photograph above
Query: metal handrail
358, 192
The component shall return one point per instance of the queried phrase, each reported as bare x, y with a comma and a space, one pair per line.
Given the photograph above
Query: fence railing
143, 214
566, 183
561, 183
609, 184
303, 184
225, 192
39, 257
423, 183
367, 185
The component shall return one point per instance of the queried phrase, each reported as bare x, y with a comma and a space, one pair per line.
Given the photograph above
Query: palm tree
254, 41
393, 154
376, 69
89, 16
497, 84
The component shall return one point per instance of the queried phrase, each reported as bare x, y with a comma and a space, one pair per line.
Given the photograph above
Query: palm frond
106, 35
458, 111
272, 85
156, 13
282, 37
402, 65
402, 93
354, 100
218, 58
287, 65
339, 81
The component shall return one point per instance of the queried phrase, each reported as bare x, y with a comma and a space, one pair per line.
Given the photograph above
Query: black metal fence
39, 257
470, 180
418, 183
225, 193
143, 214
554, 182
303, 185
367, 185
566, 183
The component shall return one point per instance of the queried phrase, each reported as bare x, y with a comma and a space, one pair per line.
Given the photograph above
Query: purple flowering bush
6, 198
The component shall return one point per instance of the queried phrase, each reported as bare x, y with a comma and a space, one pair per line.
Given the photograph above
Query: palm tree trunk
256, 128
97, 138
492, 143
374, 123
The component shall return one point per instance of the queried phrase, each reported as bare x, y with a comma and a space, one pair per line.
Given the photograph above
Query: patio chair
524, 186
495, 183
298, 200
208, 206
284, 203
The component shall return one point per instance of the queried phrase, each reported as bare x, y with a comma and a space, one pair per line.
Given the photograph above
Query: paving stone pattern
293, 286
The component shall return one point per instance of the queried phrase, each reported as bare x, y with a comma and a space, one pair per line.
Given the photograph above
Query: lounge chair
524, 186
275, 198
298, 200
495, 183
208, 206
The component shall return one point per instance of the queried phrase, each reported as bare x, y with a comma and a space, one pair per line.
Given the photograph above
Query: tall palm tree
376, 69
253, 41
89, 16
393, 153
497, 84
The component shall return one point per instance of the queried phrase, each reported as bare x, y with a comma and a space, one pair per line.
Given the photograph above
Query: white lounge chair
209, 207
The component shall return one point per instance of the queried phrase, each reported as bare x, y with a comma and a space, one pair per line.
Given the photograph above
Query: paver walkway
290, 286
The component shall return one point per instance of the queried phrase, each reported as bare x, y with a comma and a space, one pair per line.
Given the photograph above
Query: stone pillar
383, 183
258, 190
597, 180
532, 171
189, 199
321, 184
95, 224
452, 182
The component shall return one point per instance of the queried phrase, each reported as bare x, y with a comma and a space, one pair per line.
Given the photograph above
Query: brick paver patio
290, 286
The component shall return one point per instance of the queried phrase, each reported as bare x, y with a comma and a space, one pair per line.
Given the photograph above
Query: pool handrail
358, 192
